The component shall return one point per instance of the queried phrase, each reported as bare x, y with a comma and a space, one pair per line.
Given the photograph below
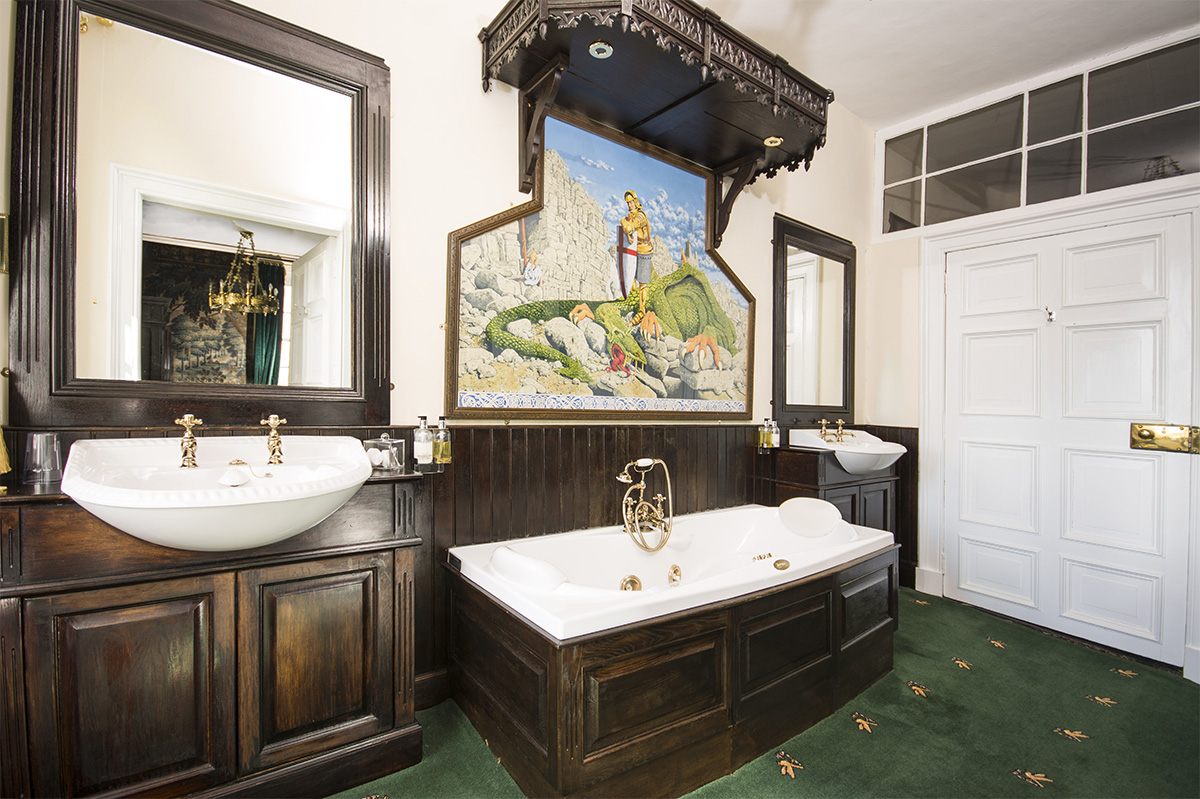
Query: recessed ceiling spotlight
772, 141
600, 50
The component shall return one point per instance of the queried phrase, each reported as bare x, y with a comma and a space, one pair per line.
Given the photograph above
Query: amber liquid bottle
441, 442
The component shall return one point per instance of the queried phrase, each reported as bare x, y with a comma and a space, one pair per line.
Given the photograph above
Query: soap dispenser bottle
441, 443
775, 436
423, 445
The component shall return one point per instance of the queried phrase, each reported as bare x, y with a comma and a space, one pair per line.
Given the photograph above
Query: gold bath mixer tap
640, 515
188, 445
274, 442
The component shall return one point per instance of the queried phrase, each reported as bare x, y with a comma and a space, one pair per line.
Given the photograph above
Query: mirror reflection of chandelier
242, 291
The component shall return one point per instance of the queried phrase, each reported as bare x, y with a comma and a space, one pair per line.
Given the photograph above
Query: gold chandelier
242, 291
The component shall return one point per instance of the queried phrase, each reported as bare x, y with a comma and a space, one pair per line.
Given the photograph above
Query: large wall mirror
813, 355
199, 218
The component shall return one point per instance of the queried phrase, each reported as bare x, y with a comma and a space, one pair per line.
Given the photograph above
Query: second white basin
137, 486
860, 453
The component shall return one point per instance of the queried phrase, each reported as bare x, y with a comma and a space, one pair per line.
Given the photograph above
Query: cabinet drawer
796, 467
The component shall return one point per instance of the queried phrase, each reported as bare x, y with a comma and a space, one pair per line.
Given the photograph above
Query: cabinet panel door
131, 689
847, 501
878, 506
315, 652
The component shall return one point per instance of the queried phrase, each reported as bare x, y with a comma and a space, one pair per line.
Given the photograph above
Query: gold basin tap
274, 442
640, 515
188, 445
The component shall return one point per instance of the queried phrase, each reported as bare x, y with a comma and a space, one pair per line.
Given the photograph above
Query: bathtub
569, 584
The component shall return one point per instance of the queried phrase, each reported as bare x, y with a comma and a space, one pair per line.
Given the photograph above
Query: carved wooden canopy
676, 77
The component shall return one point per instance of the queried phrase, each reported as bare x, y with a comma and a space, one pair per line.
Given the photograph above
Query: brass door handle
1165, 437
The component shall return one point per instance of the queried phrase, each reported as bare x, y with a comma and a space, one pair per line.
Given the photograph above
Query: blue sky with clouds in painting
673, 198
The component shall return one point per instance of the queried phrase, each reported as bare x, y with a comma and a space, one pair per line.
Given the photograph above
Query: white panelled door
1054, 346
312, 347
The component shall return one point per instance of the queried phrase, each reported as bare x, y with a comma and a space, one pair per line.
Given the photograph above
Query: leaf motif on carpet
1031, 778
787, 764
863, 722
919, 690
1074, 735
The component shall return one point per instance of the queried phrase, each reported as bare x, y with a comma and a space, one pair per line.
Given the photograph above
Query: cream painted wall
454, 151
888, 335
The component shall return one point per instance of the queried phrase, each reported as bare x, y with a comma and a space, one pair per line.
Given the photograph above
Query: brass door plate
1165, 437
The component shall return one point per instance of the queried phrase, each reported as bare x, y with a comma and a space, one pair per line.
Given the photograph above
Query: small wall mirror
153, 144
813, 357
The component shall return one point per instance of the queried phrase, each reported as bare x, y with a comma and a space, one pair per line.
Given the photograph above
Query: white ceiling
888, 61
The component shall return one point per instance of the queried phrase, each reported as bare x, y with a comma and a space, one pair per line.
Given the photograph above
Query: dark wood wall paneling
513, 482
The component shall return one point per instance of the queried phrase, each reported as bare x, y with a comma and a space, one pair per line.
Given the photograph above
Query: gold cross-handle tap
274, 443
188, 445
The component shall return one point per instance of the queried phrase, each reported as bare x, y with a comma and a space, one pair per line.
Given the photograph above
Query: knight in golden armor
635, 223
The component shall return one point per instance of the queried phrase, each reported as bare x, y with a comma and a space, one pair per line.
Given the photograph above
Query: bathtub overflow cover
781, 564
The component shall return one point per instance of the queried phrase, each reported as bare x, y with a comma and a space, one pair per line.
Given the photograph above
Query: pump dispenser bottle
441, 443
423, 445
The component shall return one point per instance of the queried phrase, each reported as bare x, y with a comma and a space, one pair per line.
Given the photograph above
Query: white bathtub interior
568, 584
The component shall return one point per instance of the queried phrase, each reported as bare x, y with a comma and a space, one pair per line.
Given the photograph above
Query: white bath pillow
809, 517
526, 571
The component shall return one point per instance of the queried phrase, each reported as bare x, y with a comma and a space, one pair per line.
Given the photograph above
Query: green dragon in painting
679, 304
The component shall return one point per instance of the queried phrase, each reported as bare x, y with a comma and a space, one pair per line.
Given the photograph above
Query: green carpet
973, 698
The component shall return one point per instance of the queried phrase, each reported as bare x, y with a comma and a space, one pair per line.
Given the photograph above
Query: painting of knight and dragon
603, 300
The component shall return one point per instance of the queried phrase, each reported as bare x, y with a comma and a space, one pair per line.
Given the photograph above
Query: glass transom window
1126, 123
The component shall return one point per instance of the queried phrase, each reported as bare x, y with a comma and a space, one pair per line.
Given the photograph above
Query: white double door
1054, 345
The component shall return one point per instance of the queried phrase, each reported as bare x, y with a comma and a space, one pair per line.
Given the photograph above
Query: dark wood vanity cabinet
868, 500
279, 671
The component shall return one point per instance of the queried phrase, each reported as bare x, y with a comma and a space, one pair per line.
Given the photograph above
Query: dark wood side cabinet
868, 500
131, 669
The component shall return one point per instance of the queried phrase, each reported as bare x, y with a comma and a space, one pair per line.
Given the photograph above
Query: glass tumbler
43, 459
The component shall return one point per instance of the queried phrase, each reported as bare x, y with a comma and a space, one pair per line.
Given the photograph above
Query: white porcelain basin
137, 485
861, 453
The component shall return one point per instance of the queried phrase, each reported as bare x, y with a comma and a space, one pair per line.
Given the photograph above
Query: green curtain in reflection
264, 334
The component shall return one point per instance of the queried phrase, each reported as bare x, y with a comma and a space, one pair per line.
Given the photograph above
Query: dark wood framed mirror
52, 291
813, 325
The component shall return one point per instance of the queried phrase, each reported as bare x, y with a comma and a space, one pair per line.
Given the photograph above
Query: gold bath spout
640, 515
